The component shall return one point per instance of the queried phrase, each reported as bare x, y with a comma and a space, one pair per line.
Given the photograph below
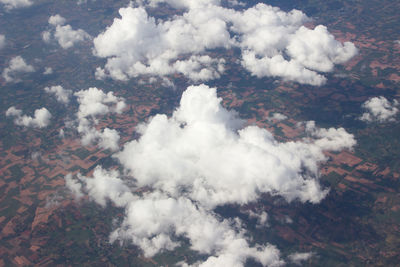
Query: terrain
357, 224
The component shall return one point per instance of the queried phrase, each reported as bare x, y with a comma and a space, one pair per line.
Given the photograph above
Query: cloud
67, 37
189, 4
137, 45
80, 2
151, 221
278, 66
379, 109
74, 186
103, 186
46, 36
330, 139
94, 103
236, 3
200, 150
48, 71
62, 95
57, 20
201, 157
106, 138
272, 42
261, 217
36, 155
11, 4
64, 34
297, 258
278, 117
61, 133
2, 41
318, 50
16, 66
41, 118
12, 111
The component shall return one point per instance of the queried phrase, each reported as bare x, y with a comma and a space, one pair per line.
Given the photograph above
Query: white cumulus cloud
379, 109
330, 139
201, 157
93, 103
151, 221
63, 34
201, 149
16, 66
57, 20
40, 119
11, 4
272, 43
62, 95
278, 117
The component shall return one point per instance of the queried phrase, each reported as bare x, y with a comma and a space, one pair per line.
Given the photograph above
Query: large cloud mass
199, 151
272, 43
200, 158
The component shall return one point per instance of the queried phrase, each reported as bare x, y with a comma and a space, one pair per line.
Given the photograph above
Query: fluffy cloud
62, 95
201, 157
40, 120
379, 109
16, 66
106, 138
272, 43
103, 186
278, 117
199, 149
330, 139
56, 20
151, 221
136, 45
11, 4
64, 34
93, 103
298, 258
2, 41
67, 37
318, 50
